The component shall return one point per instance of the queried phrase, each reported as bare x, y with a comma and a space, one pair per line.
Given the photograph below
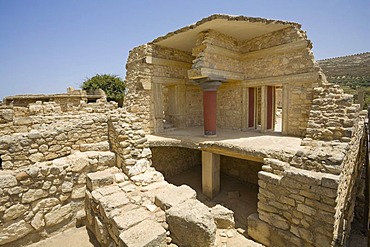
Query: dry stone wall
46, 196
47, 153
310, 199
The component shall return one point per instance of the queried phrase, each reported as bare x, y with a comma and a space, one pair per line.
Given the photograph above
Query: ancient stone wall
229, 105
310, 199
138, 98
243, 170
171, 161
46, 155
194, 103
332, 114
46, 196
45, 133
349, 185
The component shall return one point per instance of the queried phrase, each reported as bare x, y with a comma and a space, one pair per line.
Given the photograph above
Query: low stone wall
243, 170
46, 196
306, 205
171, 161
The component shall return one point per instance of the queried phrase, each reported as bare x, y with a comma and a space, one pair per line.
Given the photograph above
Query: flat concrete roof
239, 27
250, 145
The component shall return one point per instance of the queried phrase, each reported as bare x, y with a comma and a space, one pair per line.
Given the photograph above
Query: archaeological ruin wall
310, 200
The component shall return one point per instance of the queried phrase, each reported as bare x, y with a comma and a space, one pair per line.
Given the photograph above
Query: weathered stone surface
58, 214
38, 221
33, 194
13, 230
7, 180
15, 211
148, 177
173, 195
100, 146
98, 179
130, 218
223, 217
191, 224
148, 233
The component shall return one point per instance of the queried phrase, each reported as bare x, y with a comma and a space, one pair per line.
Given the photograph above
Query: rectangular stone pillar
158, 107
263, 108
285, 101
210, 174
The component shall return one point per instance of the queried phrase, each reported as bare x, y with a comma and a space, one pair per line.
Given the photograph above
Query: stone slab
191, 224
147, 233
174, 195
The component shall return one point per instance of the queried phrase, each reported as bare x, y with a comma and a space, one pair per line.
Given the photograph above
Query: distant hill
352, 73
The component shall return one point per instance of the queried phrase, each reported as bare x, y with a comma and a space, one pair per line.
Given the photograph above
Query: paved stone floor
74, 237
242, 141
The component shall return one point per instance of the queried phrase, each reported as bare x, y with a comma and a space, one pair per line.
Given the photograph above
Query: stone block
147, 233
191, 224
173, 195
258, 229
98, 179
130, 218
7, 180
14, 230
223, 217
148, 177
58, 214
100, 146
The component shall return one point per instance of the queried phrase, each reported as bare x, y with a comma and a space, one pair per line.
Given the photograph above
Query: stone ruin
206, 94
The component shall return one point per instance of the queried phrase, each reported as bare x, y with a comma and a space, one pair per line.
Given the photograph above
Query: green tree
112, 85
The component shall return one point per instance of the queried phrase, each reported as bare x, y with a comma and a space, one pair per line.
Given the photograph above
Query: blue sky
49, 45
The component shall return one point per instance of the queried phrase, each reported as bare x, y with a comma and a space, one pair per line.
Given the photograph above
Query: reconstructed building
173, 80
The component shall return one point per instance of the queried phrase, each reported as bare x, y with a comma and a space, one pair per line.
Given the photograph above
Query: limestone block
38, 221
223, 217
130, 218
191, 224
101, 232
113, 201
258, 229
78, 162
45, 204
173, 195
7, 180
14, 212
140, 167
58, 214
107, 158
98, 179
33, 194
148, 233
12, 231
67, 187
78, 192
100, 146
150, 176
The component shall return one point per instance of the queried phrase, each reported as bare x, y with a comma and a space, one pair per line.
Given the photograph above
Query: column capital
209, 85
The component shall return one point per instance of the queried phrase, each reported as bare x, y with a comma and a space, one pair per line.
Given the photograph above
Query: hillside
352, 73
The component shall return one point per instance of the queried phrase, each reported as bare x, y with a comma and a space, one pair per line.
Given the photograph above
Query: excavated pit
239, 187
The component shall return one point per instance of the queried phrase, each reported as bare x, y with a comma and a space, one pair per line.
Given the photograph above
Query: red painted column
210, 107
